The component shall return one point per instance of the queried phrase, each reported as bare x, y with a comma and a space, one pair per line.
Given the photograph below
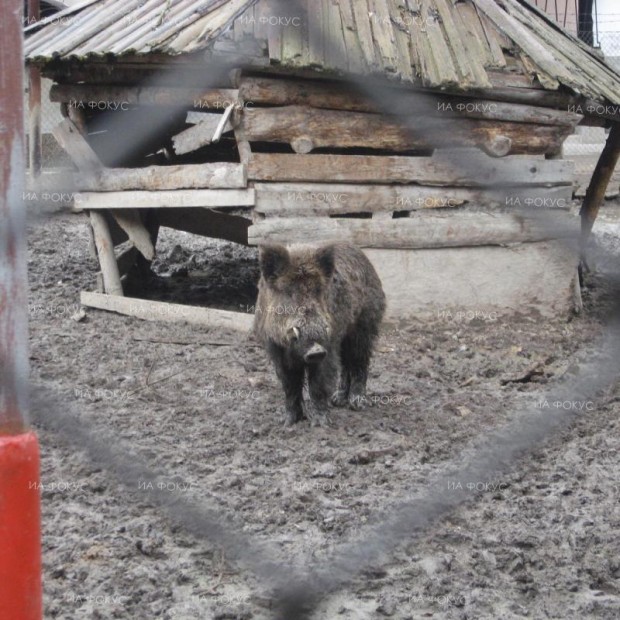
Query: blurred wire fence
53, 156
299, 592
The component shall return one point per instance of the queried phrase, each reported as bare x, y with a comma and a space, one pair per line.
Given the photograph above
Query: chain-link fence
52, 154
586, 145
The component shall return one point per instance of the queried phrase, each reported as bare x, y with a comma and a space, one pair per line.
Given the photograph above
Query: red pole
20, 532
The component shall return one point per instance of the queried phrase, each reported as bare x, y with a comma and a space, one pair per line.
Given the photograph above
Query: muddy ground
205, 407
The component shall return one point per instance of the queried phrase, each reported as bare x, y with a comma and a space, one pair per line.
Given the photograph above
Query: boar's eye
293, 333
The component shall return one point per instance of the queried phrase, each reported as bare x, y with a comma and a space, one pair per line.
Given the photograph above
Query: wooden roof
447, 44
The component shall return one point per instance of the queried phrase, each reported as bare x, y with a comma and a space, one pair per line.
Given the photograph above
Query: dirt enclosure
204, 406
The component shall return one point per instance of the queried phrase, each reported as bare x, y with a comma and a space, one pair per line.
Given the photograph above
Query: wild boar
318, 312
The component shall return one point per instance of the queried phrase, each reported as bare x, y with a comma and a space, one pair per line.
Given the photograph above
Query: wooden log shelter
428, 133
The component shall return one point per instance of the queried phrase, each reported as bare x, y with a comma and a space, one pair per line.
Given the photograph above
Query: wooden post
20, 522
105, 251
595, 193
34, 104
13, 291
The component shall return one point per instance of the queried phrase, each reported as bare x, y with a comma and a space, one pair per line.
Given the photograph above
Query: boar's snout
315, 354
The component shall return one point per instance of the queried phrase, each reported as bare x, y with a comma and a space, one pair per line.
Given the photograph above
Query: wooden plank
548, 81
199, 135
402, 38
167, 199
441, 169
351, 38
170, 313
120, 73
191, 176
322, 199
364, 34
80, 152
476, 38
470, 64
437, 50
494, 39
426, 231
385, 44
96, 96
422, 51
105, 252
336, 54
335, 129
316, 37
129, 220
293, 38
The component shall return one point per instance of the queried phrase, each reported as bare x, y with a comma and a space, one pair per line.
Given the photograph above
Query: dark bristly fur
319, 309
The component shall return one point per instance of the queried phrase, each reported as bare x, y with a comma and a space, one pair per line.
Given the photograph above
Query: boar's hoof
293, 416
323, 420
339, 398
318, 415
357, 402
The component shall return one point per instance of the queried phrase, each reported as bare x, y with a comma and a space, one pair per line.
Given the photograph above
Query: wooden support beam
110, 97
105, 252
603, 172
171, 313
336, 129
80, 152
243, 145
313, 199
423, 232
168, 199
79, 119
130, 221
341, 96
201, 134
443, 168
192, 176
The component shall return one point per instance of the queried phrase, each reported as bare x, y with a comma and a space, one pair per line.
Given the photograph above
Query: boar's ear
325, 260
273, 260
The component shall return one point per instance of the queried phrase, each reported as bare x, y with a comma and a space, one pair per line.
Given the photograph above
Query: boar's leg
356, 360
341, 396
320, 387
292, 378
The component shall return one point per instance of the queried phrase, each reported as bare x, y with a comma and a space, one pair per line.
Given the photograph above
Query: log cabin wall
321, 162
